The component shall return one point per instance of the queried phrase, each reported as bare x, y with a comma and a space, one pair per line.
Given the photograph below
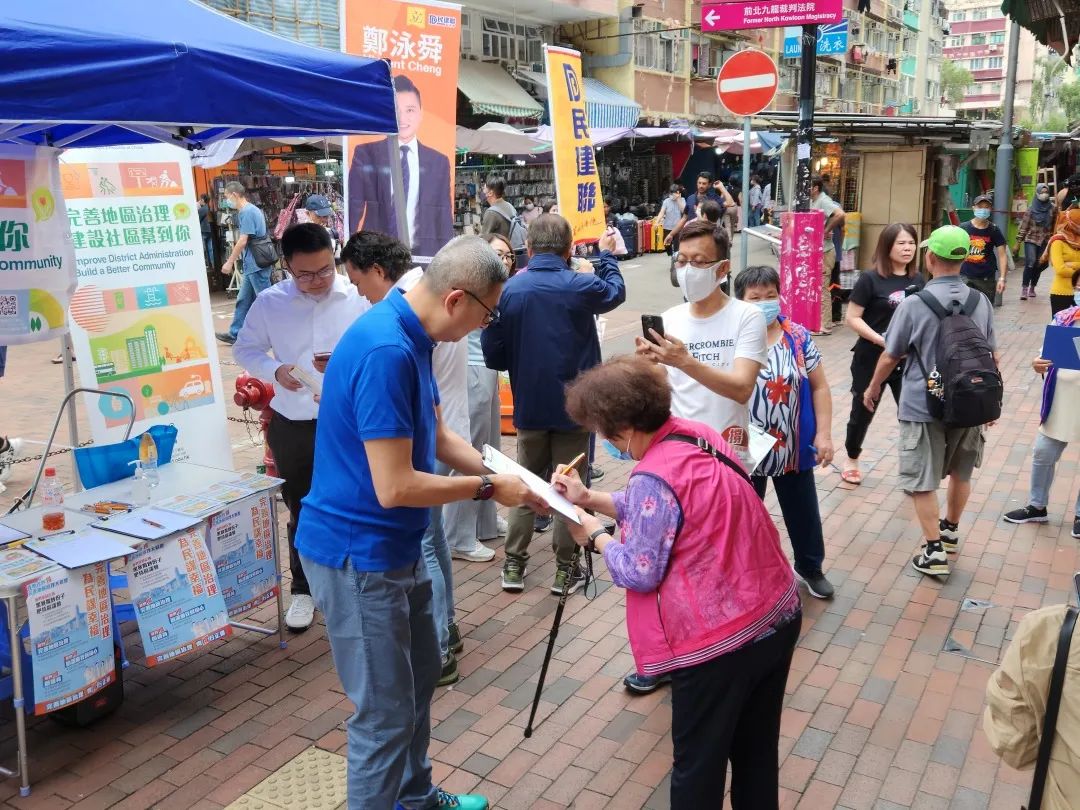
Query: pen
54, 534
153, 523
565, 468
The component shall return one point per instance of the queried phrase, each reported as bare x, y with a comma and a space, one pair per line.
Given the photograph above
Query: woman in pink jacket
711, 598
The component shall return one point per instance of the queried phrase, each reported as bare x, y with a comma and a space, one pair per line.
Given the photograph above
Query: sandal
853, 477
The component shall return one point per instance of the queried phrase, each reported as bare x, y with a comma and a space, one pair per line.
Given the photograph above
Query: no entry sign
747, 83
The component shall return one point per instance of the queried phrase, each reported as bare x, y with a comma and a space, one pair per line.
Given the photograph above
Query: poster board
241, 544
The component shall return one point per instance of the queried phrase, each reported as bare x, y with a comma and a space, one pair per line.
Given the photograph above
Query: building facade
978, 40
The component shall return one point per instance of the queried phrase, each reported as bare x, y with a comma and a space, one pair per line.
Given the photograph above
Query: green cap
949, 242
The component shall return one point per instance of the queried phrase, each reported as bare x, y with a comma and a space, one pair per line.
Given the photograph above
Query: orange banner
421, 41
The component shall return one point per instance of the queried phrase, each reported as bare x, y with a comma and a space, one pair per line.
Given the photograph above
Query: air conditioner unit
709, 71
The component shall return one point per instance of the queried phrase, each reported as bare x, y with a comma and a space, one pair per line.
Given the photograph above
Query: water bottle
52, 498
148, 461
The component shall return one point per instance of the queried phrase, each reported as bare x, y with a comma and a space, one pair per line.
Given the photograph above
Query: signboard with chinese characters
140, 316
71, 642
176, 595
421, 40
726, 15
801, 275
577, 177
37, 264
242, 547
832, 40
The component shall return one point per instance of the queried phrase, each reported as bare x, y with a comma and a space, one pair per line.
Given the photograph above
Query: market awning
606, 108
493, 91
1055, 23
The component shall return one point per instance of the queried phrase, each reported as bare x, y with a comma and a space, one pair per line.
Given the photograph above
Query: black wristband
592, 539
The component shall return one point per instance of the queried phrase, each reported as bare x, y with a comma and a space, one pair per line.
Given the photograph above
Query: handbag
263, 251
1053, 703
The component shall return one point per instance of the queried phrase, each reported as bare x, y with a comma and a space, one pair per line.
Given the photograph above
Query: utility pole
805, 135
1004, 164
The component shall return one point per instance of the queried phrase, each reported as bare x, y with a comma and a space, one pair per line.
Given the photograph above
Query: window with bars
313, 22
511, 42
656, 48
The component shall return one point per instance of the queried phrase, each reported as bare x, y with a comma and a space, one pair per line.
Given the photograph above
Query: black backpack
964, 388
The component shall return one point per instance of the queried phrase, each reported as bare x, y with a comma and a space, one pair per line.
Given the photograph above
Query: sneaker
460, 801
1023, 293
1031, 291
1076, 527
949, 535
10, 449
513, 575
816, 582
449, 672
542, 523
500, 530
595, 473
225, 337
456, 644
643, 684
1028, 514
932, 560
478, 553
575, 575
301, 613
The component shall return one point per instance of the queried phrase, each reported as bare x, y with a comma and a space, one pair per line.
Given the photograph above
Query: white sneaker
301, 613
478, 553
500, 529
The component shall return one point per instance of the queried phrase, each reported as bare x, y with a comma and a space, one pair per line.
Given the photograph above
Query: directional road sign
727, 15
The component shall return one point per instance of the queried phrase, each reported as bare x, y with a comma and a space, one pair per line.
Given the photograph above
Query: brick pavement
878, 715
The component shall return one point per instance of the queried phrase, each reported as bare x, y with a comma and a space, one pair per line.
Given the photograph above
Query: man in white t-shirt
713, 346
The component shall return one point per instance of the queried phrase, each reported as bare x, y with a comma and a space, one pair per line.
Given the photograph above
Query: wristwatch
485, 490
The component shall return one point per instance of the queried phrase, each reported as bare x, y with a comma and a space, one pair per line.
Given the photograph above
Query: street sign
832, 40
747, 82
728, 15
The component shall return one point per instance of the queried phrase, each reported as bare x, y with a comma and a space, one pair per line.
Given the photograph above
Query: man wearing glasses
545, 337
296, 325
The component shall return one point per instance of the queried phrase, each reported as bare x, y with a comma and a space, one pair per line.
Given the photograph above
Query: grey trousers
479, 516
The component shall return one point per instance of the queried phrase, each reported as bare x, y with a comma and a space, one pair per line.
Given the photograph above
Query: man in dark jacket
545, 336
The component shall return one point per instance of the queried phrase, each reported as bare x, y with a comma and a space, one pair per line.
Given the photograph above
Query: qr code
9, 305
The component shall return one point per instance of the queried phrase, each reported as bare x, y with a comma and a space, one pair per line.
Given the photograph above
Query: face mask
697, 284
770, 309
615, 452
529, 206
982, 213
1044, 197
229, 203
1076, 297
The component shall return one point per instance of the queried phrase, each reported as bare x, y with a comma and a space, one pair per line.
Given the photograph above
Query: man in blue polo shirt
360, 530
706, 190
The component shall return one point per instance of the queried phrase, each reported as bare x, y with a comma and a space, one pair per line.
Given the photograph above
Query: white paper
502, 464
8, 534
760, 445
135, 525
313, 383
86, 547
802, 151
191, 505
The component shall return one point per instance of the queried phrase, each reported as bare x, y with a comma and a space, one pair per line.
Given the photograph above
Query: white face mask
698, 283
1044, 197
529, 206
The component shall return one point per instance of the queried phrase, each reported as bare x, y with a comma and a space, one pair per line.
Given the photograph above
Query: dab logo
416, 17
43, 203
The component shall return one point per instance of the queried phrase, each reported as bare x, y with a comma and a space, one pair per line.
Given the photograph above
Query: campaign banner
577, 176
37, 263
801, 275
727, 15
141, 319
242, 547
176, 595
421, 40
832, 40
71, 641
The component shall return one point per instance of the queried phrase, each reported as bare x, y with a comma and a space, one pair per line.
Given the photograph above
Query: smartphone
654, 322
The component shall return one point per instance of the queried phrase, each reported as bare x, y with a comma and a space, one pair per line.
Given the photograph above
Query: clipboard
499, 463
1061, 346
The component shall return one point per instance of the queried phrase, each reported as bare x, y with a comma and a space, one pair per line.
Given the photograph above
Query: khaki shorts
929, 451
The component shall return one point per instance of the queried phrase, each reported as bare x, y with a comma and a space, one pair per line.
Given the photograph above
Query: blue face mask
229, 203
1076, 298
770, 309
982, 213
615, 452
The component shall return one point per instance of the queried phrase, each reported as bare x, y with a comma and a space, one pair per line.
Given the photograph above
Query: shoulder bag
702, 444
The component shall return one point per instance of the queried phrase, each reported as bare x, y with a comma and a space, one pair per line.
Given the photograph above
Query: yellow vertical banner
577, 177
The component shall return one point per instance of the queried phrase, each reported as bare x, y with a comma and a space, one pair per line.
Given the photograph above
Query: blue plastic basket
112, 462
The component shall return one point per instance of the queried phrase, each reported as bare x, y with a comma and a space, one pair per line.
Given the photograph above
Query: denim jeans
797, 495
208, 250
382, 637
252, 285
436, 551
1044, 460
1032, 252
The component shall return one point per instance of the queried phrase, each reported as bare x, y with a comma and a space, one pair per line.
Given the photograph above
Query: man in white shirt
714, 346
296, 325
834, 223
377, 264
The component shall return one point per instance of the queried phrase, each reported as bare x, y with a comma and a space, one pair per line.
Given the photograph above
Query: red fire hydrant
253, 393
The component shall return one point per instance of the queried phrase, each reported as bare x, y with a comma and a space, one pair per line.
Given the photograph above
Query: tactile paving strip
313, 780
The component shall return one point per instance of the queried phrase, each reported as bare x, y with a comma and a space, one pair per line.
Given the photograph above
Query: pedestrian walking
706, 190
363, 521
1064, 249
297, 325
757, 201
545, 336
1034, 232
256, 277
874, 299
206, 230
792, 403
834, 218
1059, 424
671, 213
987, 264
710, 598
931, 446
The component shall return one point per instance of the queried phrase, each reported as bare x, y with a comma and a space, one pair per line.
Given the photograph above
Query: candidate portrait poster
421, 42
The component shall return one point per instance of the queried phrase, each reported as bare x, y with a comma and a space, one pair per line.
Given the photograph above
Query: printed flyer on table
177, 598
71, 642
